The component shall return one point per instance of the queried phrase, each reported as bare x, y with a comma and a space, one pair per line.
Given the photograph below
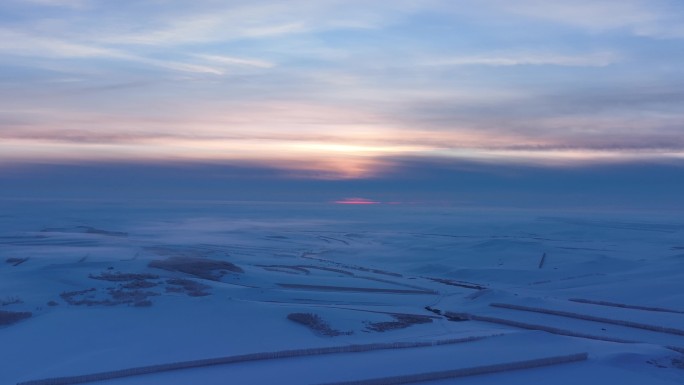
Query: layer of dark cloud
627, 185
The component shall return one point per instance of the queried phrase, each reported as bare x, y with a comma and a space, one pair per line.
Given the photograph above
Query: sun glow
356, 201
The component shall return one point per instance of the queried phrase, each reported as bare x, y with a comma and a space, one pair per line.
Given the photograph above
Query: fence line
142, 370
542, 260
586, 317
548, 329
625, 306
354, 289
471, 371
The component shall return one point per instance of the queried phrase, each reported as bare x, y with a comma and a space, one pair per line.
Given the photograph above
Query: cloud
56, 3
24, 44
235, 61
600, 59
35, 46
648, 18
182, 23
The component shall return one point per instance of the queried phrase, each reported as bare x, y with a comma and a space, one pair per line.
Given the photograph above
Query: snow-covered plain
113, 286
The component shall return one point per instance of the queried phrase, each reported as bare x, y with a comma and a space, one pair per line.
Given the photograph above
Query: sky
340, 90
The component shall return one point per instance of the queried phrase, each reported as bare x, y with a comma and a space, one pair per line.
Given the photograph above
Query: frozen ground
113, 286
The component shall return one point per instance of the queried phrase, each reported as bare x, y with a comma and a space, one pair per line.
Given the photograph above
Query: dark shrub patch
10, 317
16, 261
402, 321
139, 285
122, 277
203, 268
187, 286
316, 324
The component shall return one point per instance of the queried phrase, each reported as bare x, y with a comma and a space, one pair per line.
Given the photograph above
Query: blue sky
341, 89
